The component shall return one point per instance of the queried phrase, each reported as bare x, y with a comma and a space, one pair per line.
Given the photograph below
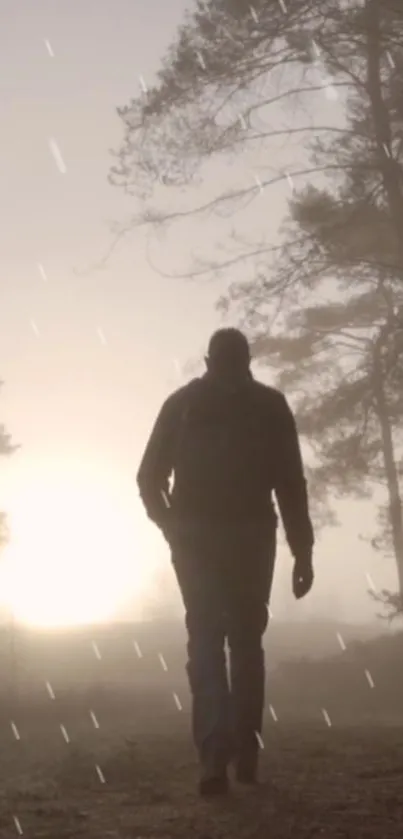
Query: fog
87, 357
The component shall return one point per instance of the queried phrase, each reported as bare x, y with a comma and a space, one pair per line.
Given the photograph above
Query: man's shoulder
178, 399
268, 395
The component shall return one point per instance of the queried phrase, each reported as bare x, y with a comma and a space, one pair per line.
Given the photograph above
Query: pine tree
340, 346
240, 77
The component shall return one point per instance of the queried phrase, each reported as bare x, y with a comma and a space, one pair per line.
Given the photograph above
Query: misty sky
88, 356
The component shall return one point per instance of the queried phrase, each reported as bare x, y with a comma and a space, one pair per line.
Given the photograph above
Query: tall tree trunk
391, 172
392, 181
394, 499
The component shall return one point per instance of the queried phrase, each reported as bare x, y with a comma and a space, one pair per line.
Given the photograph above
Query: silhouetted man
229, 442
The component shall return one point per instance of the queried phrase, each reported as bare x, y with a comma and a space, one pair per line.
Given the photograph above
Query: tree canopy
239, 77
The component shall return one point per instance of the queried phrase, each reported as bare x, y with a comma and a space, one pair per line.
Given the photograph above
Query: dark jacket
272, 461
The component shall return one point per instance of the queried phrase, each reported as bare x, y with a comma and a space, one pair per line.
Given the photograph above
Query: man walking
228, 441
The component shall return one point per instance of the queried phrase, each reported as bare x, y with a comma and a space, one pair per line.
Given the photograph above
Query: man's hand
302, 577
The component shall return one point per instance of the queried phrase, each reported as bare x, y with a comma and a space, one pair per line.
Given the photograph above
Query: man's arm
156, 464
290, 487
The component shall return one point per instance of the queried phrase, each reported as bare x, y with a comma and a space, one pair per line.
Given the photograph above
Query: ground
123, 767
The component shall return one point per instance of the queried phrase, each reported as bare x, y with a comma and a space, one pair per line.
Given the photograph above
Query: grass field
95, 738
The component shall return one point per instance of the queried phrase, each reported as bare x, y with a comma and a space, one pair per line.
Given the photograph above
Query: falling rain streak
49, 48
17, 825
101, 336
138, 650
96, 650
15, 731
242, 121
201, 60
57, 155
326, 716
50, 690
369, 679
273, 713
163, 662
259, 740
94, 719
100, 774
341, 642
177, 701
391, 61
290, 181
65, 735
42, 272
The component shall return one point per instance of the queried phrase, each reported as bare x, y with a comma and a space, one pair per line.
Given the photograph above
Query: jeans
225, 575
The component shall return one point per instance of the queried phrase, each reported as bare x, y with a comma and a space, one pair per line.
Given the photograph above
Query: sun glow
74, 555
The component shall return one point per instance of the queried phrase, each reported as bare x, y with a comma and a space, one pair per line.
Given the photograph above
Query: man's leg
249, 583
201, 583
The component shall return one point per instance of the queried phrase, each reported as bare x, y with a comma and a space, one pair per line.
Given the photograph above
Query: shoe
214, 785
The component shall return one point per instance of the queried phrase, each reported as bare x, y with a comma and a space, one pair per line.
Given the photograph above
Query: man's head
228, 354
